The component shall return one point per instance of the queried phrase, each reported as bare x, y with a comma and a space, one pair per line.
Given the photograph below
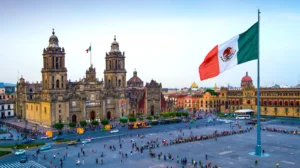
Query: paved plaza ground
227, 152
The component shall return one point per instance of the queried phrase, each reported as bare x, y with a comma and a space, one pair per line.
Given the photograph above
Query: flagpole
91, 55
258, 140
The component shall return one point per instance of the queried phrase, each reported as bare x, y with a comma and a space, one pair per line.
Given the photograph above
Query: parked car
20, 152
45, 147
27, 141
58, 138
86, 141
251, 123
45, 137
114, 131
72, 143
23, 159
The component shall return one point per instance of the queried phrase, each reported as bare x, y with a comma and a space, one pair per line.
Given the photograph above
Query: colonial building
57, 99
145, 100
283, 102
7, 101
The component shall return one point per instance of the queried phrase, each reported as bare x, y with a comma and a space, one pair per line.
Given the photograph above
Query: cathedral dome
246, 78
53, 41
194, 85
135, 81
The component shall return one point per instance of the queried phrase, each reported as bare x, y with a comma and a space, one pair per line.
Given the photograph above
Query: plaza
230, 151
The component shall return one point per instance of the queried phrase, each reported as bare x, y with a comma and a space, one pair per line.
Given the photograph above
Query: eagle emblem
228, 54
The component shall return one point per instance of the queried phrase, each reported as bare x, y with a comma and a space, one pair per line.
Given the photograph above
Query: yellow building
284, 102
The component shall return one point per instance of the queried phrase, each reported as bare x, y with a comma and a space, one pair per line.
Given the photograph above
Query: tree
123, 120
156, 116
131, 115
166, 115
132, 119
104, 122
211, 91
94, 122
141, 119
172, 114
59, 127
83, 123
149, 118
72, 125
185, 114
178, 114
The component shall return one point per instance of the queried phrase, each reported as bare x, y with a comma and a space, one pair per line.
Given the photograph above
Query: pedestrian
96, 160
121, 160
102, 161
277, 165
78, 155
82, 161
54, 156
206, 156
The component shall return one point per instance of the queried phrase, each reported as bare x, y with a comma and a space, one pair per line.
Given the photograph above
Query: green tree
211, 91
156, 116
123, 120
178, 114
72, 125
83, 123
131, 115
94, 122
104, 122
185, 114
132, 119
59, 127
172, 114
149, 118
166, 115
141, 119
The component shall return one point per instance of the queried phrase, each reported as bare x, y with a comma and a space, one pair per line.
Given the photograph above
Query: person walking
82, 161
54, 156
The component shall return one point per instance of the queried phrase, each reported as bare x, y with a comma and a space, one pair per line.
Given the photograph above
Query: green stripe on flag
248, 45
90, 48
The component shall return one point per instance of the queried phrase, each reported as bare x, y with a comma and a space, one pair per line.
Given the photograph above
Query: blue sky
164, 40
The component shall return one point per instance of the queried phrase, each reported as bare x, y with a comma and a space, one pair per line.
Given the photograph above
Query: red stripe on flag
210, 66
87, 50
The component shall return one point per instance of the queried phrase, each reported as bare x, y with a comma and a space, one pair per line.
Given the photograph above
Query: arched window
291, 103
57, 83
248, 101
119, 82
222, 102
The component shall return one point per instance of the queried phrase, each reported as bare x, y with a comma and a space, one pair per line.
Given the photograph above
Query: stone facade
57, 99
284, 102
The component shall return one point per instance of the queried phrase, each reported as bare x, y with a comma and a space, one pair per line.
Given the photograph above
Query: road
123, 130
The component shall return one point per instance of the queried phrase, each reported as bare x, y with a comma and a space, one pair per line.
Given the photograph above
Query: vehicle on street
20, 152
114, 131
45, 147
27, 141
58, 138
86, 141
243, 117
23, 159
45, 137
72, 143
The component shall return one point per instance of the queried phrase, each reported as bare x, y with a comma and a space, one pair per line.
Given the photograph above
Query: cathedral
59, 100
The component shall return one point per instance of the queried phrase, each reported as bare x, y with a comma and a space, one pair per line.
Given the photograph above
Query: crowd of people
295, 132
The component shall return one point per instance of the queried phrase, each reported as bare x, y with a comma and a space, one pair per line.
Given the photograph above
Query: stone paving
227, 152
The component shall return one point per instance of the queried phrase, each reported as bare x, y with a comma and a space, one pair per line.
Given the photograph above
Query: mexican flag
239, 49
89, 49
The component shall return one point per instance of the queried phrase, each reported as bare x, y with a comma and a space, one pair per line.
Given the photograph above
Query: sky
164, 40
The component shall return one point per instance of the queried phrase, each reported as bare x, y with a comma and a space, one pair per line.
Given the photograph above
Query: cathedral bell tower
54, 72
115, 72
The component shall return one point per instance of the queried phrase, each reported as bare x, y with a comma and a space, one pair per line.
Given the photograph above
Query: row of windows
285, 109
265, 94
6, 97
8, 107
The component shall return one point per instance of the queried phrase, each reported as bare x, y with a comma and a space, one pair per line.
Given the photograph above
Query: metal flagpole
258, 141
91, 54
